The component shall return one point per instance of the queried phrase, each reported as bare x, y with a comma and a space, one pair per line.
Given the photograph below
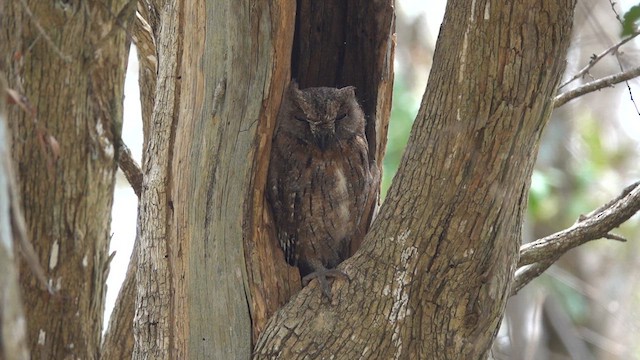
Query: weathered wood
432, 277
69, 60
221, 73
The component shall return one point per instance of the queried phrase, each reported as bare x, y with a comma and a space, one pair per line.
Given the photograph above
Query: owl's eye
300, 118
341, 116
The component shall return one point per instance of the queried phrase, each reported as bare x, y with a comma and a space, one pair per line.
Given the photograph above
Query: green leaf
629, 22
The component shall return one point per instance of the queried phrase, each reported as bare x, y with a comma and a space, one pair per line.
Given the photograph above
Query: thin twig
596, 58
613, 8
615, 237
628, 86
596, 85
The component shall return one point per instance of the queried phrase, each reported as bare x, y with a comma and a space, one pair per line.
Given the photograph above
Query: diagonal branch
596, 85
537, 256
130, 168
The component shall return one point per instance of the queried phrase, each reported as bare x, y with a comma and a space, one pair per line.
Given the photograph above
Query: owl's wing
366, 185
284, 198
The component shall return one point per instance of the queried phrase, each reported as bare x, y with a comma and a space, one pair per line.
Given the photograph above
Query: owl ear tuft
295, 92
348, 91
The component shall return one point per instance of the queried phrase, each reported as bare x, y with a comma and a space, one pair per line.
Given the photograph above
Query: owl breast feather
318, 199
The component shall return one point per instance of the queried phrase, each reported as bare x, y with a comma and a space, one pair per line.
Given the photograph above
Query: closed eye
341, 116
300, 118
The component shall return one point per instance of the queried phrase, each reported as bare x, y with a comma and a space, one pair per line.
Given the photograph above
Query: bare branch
613, 8
537, 256
596, 58
596, 85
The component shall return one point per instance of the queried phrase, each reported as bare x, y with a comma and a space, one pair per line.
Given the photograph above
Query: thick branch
541, 253
596, 85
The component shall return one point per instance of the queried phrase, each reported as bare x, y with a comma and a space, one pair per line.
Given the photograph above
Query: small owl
320, 178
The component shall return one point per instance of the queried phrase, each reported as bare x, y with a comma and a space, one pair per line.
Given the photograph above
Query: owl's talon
322, 276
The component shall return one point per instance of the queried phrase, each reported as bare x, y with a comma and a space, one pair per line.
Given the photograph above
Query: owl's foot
322, 276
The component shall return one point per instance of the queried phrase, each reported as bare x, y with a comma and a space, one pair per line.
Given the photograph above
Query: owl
320, 178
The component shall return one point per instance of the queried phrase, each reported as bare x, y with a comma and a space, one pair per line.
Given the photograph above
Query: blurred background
586, 306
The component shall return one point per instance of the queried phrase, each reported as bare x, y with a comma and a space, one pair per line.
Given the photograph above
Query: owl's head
323, 116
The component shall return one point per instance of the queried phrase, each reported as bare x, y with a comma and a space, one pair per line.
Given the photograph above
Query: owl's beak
322, 139
323, 136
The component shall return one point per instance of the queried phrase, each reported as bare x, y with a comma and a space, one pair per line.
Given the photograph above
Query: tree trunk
204, 226
200, 169
433, 275
69, 60
118, 340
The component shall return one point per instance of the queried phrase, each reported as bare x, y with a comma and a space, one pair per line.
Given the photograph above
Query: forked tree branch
537, 256
596, 85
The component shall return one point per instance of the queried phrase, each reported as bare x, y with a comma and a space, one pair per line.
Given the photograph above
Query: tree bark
433, 275
118, 339
230, 59
69, 60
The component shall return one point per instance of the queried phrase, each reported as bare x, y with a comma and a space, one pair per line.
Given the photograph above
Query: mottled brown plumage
319, 178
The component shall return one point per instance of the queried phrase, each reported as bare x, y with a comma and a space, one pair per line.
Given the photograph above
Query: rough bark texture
118, 339
155, 291
69, 59
432, 278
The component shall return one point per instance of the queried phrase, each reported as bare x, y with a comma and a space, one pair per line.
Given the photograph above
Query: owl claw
322, 276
